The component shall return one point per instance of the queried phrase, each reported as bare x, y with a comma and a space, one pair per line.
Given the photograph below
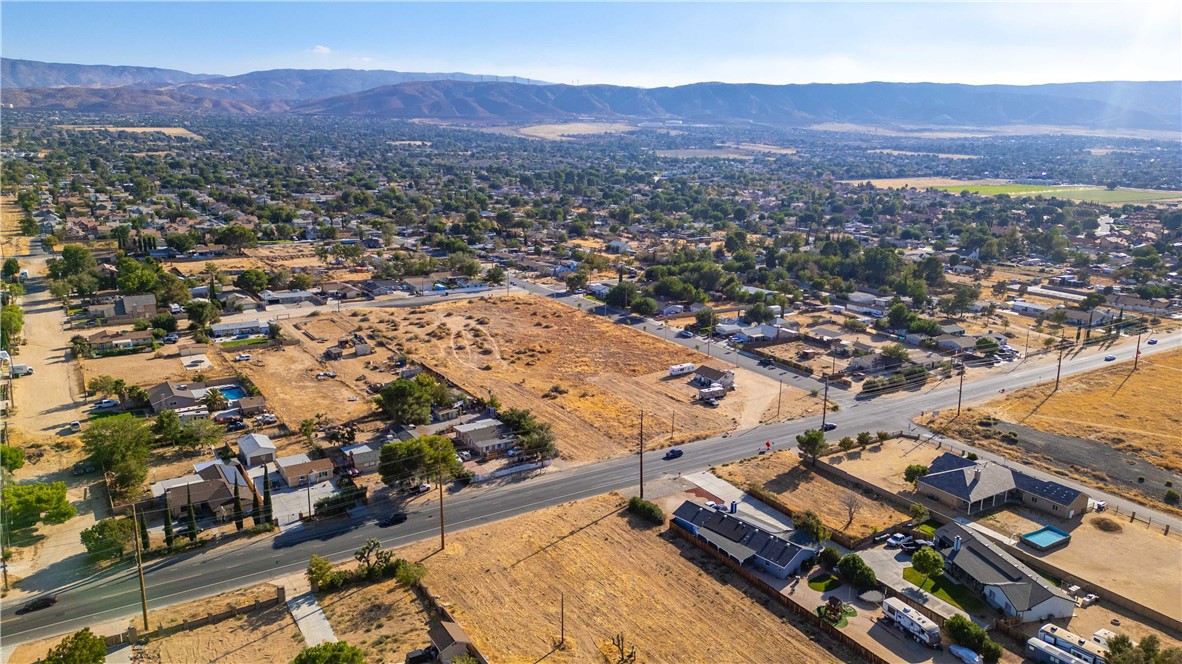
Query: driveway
888, 564
48, 400
287, 504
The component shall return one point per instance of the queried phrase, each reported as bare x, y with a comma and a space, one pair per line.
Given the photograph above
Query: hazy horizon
646, 45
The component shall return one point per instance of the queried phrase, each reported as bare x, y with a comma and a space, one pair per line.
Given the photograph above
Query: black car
673, 453
393, 519
83, 467
236, 426
42, 602
829, 426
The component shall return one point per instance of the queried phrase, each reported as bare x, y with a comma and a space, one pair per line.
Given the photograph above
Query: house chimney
956, 543
734, 506
977, 473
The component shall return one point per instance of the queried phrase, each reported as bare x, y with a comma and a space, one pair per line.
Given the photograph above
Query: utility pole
139, 563
561, 620
825, 404
642, 455
672, 426
1026, 351
960, 390
1059, 368
778, 396
1137, 357
309, 492
439, 481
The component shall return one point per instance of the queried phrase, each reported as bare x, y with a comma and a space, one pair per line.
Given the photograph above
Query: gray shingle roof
959, 476
983, 561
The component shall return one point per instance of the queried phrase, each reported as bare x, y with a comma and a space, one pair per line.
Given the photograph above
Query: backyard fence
802, 612
133, 635
439, 611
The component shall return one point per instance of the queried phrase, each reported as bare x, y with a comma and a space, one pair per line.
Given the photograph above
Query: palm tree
119, 388
137, 395
214, 400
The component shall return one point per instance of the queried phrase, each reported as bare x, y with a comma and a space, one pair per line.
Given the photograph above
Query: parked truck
682, 369
912, 622
22, 370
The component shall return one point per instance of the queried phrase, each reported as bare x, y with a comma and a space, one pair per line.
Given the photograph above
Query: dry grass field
760, 147
926, 154
14, 244
782, 474
384, 619
1134, 412
566, 130
167, 131
503, 582
590, 378
923, 183
706, 153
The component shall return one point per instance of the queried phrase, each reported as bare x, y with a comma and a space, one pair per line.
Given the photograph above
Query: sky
650, 45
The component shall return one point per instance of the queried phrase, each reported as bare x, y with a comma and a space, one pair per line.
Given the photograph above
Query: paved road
209, 572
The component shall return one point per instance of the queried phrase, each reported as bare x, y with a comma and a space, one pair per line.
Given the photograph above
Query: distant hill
32, 74
1131, 105
100, 88
308, 84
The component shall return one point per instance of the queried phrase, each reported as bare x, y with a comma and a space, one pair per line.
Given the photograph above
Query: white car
964, 654
105, 403
243, 357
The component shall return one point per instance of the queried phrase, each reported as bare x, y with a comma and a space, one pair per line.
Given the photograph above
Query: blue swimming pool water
1046, 537
232, 392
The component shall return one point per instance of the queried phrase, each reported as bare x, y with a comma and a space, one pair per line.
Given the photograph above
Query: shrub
322, 574
915, 471
883, 436
829, 557
646, 510
81, 647
846, 444
855, 570
810, 524
968, 634
336, 652
1172, 497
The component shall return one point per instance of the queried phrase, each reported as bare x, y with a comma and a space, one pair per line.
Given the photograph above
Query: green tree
198, 433
108, 538
407, 402
81, 647
202, 313
236, 238
413, 460
254, 281
576, 280
80, 346
301, 281
142, 522
495, 275
169, 534
167, 427
810, 524
1092, 300
237, 508
12, 321
919, 513
180, 242
915, 471
163, 321
852, 568
928, 562
11, 457
812, 444
705, 318
847, 443
337, 652
214, 400
622, 295
865, 438
12, 267
644, 307
191, 515
26, 504
759, 313
987, 345
829, 557
120, 444
256, 513
268, 516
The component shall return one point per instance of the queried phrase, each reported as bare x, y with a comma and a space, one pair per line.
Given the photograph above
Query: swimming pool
1046, 538
233, 392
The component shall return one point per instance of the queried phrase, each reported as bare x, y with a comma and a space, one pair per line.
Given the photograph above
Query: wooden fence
439, 611
132, 635
800, 611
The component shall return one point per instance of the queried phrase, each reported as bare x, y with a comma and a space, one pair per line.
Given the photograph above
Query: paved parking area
287, 503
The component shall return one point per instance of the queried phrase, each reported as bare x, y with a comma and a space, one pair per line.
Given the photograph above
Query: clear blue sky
622, 43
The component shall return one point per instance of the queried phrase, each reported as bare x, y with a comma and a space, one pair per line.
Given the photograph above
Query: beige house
298, 469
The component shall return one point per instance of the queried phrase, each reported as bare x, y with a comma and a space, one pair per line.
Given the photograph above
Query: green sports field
1090, 194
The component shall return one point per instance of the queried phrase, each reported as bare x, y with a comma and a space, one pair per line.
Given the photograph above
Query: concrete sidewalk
749, 508
309, 617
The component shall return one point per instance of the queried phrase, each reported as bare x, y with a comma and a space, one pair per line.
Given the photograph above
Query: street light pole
642, 455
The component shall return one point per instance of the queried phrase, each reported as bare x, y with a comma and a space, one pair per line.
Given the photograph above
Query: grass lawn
929, 528
946, 589
113, 412
824, 583
244, 342
1092, 194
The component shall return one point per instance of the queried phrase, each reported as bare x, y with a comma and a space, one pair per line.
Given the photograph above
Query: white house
255, 448
239, 327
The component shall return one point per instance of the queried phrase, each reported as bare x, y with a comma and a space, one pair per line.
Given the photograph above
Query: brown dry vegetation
503, 582
782, 474
167, 131
384, 619
1134, 412
923, 182
562, 132
520, 347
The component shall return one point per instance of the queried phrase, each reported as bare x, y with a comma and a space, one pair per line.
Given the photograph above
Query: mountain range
468, 97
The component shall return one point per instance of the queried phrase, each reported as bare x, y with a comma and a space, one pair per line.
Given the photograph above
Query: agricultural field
565, 131
1087, 194
588, 377
167, 131
782, 474
503, 582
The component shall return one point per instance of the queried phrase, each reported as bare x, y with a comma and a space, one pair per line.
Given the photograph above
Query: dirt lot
1089, 555
384, 619
267, 636
167, 131
151, 368
922, 183
781, 473
503, 583
588, 377
563, 131
883, 465
230, 265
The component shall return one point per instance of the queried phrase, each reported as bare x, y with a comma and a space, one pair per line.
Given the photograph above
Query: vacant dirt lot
167, 131
563, 131
503, 583
923, 183
231, 265
150, 368
1089, 555
781, 473
384, 619
883, 465
588, 377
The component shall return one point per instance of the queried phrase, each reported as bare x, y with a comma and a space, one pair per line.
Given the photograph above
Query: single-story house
341, 291
1028, 308
106, 340
708, 376
1006, 583
298, 469
128, 306
240, 327
671, 309
743, 542
485, 436
599, 290
956, 344
270, 297
450, 640
255, 448
364, 457
175, 396
974, 486
210, 487
954, 330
